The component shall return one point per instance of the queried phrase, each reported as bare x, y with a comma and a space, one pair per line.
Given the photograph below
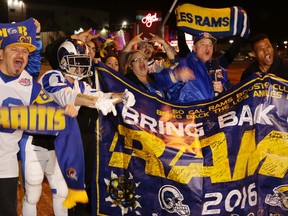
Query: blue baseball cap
206, 35
17, 40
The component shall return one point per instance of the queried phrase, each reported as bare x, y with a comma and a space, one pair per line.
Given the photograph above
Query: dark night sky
264, 16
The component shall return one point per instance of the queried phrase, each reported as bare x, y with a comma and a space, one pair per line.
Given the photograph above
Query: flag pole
166, 17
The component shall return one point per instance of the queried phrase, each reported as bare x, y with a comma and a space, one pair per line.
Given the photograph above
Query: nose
20, 53
266, 50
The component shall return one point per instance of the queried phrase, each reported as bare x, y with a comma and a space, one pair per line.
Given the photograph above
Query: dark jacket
279, 67
153, 87
200, 88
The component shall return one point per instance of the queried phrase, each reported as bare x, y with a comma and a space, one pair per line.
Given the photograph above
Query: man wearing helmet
74, 59
86, 116
65, 85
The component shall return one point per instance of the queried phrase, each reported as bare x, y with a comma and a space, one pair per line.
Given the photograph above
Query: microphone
215, 69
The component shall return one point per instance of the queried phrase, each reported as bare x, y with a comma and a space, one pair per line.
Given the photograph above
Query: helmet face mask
74, 59
77, 65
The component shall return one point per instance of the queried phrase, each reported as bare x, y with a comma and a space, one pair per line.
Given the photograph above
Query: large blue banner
228, 156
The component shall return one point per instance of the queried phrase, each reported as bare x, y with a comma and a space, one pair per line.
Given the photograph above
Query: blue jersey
62, 91
201, 88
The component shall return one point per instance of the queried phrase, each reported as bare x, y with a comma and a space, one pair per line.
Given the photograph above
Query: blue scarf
219, 22
68, 143
69, 152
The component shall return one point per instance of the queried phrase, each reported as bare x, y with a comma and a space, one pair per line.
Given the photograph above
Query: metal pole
166, 17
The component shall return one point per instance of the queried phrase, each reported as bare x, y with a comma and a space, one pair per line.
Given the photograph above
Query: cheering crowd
180, 77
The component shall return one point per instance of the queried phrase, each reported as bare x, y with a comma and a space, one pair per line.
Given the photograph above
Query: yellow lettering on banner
247, 147
42, 117
20, 30
23, 30
274, 148
152, 147
118, 159
272, 151
219, 172
203, 19
42, 98
50, 115
32, 118
263, 93
184, 174
58, 121
19, 117
4, 117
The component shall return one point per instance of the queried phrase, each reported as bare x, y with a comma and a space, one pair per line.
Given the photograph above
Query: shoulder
253, 66
25, 74
51, 73
51, 76
249, 70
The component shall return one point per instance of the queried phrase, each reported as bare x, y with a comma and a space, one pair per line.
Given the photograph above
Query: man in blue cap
17, 88
210, 79
204, 35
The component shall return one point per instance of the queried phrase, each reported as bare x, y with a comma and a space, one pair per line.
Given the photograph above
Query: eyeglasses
139, 59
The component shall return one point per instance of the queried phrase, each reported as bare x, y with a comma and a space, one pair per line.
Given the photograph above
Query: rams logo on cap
23, 39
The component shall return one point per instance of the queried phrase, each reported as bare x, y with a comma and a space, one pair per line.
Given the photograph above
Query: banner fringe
75, 196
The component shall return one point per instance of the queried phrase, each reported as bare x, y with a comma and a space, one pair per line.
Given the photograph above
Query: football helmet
171, 200
73, 58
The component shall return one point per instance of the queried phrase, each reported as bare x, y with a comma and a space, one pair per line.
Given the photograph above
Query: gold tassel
75, 196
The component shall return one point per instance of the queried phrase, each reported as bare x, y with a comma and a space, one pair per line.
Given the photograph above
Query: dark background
270, 17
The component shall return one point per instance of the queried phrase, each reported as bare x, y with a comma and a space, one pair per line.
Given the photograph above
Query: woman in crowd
137, 70
112, 61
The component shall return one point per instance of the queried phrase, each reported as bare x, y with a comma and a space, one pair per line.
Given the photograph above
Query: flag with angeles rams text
219, 22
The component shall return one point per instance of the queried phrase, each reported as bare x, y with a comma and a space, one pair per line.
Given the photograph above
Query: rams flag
220, 22
228, 156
